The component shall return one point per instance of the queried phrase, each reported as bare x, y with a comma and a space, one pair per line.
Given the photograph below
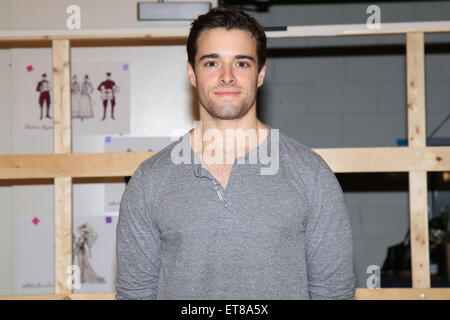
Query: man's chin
230, 115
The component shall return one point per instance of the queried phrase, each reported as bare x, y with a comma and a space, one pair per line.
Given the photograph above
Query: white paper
35, 88
100, 258
34, 260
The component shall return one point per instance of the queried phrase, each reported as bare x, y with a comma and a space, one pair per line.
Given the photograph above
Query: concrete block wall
350, 92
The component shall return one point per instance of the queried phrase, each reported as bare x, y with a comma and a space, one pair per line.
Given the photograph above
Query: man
43, 87
224, 226
108, 88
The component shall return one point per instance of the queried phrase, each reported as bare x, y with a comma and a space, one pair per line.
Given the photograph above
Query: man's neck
234, 137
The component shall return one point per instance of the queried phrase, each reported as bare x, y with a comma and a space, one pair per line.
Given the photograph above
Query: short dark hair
227, 18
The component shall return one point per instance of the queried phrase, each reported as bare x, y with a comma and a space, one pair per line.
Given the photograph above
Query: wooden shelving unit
416, 159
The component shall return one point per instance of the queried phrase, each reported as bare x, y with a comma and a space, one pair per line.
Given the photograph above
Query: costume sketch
82, 101
86, 101
108, 88
85, 241
43, 87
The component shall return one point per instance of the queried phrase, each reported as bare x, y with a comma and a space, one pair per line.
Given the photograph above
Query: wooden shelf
416, 159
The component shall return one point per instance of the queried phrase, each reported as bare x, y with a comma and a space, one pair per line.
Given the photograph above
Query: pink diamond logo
29, 68
35, 221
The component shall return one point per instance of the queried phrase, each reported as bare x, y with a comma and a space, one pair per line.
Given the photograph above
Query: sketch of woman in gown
76, 96
85, 106
85, 241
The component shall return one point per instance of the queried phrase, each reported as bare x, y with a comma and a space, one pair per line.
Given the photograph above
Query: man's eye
210, 64
242, 64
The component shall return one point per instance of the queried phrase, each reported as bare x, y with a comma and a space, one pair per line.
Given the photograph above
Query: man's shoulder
299, 153
160, 161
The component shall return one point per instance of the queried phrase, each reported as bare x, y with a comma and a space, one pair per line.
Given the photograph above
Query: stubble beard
227, 110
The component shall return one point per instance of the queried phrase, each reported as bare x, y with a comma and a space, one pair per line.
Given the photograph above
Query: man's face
226, 72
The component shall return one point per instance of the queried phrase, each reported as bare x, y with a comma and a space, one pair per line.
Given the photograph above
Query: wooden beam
63, 234
335, 30
62, 145
418, 221
36, 297
93, 296
119, 164
71, 165
415, 75
62, 97
418, 195
361, 294
180, 33
149, 34
403, 294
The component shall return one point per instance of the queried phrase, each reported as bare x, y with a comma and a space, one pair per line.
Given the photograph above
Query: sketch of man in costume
75, 90
85, 241
108, 88
43, 87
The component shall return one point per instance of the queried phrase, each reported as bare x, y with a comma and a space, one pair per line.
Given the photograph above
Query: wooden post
62, 144
415, 71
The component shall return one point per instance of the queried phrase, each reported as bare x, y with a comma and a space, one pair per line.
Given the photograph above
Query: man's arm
138, 244
329, 243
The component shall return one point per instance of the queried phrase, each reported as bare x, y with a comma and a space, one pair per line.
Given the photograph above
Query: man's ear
191, 75
261, 76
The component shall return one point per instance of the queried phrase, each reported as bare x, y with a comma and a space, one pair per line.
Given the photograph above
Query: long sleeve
138, 244
329, 243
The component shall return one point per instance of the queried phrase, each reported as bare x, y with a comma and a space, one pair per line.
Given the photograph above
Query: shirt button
227, 204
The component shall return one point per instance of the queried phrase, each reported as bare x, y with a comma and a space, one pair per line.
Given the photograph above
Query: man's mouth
227, 93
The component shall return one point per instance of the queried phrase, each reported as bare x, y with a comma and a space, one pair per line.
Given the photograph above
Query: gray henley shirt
283, 233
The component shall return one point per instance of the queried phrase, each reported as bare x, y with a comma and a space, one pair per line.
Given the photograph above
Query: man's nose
227, 75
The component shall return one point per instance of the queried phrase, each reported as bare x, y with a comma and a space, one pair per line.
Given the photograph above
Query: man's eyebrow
215, 56
242, 57
209, 56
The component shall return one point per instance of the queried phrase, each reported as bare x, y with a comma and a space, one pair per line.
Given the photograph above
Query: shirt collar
200, 169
